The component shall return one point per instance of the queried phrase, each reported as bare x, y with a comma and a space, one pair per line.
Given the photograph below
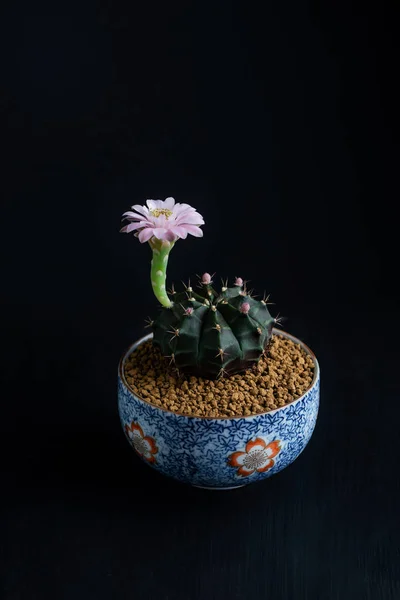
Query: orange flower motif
258, 456
145, 446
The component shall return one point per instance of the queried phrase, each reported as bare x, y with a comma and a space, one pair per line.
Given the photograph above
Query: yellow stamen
156, 212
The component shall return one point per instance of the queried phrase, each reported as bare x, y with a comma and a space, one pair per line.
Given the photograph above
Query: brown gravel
278, 379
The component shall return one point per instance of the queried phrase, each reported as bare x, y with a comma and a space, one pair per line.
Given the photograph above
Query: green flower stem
161, 250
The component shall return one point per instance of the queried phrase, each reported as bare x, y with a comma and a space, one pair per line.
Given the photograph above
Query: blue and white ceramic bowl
222, 453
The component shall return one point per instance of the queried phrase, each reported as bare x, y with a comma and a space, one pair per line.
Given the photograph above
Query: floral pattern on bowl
257, 457
144, 445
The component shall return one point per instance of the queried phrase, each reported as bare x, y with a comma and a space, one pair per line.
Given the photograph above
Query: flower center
255, 459
156, 212
139, 444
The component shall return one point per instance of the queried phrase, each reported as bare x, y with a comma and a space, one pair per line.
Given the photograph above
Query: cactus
213, 334
205, 333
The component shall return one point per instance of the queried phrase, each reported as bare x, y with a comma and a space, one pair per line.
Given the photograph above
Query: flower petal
151, 204
191, 218
273, 448
131, 436
169, 203
179, 231
145, 235
268, 465
152, 445
181, 208
258, 444
135, 427
236, 459
161, 221
140, 209
159, 233
245, 472
162, 233
146, 448
193, 230
131, 227
170, 236
131, 215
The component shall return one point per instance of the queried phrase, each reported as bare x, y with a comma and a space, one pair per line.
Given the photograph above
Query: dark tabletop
280, 128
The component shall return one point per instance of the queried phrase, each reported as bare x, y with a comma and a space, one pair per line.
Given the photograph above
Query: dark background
280, 126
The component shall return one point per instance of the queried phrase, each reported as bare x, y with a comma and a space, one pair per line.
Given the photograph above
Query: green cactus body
210, 334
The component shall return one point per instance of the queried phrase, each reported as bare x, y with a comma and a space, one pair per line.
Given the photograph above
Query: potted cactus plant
215, 396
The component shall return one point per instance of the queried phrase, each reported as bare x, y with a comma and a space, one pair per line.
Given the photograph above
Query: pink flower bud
188, 311
245, 307
238, 281
206, 278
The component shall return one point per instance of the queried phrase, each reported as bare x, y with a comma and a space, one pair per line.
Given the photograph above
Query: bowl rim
275, 331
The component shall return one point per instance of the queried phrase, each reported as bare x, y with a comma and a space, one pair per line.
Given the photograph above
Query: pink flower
164, 220
206, 278
238, 281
